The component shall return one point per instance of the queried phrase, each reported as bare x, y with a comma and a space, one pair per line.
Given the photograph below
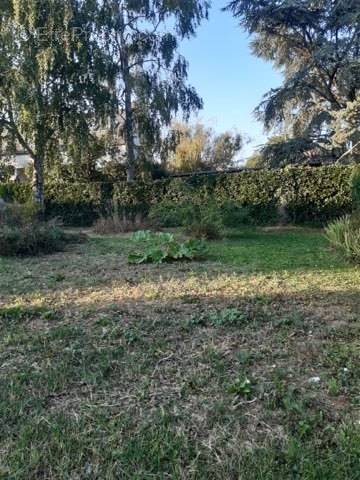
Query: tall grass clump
116, 223
344, 233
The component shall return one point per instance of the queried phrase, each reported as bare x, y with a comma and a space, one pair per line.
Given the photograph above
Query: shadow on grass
102, 262
140, 389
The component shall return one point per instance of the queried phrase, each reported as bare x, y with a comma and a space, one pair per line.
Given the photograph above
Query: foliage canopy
316, 45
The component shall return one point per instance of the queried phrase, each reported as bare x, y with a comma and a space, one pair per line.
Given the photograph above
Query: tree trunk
38, 184
129, 134
129, 117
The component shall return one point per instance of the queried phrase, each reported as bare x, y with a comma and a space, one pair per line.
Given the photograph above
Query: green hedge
76, 204
21, 192
355, 186
307, 194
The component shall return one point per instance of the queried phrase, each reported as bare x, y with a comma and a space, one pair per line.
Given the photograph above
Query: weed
229, 317
163, 247
334, 387
132, 336
242, 387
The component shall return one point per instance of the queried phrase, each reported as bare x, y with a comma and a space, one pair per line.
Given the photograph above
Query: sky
230, 80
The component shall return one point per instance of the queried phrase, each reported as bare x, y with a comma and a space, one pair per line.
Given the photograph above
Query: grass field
246, 366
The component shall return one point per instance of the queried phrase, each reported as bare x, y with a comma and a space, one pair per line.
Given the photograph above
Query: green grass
276, 250
245, 366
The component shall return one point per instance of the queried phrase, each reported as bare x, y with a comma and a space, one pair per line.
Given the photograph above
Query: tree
6, 169
347, 129
316, 44
281, 150
224, 150
256, 160
143, 36
200, 148
51, 80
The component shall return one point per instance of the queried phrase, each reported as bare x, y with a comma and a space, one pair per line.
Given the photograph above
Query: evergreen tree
316, 44
347, 129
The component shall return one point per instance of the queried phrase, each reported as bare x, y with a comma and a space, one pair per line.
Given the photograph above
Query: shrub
344, 235
201, 220
234, 214
77, 204
163, 247
355, 187
15, 192
31, 239
22, 234
13, 214
170, 214
206, 222
306, 194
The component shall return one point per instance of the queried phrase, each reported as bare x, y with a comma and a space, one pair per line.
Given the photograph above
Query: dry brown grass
117, 223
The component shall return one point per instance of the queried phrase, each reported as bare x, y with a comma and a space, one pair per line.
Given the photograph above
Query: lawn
245, 366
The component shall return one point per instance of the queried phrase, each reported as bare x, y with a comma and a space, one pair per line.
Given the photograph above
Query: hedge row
305, 194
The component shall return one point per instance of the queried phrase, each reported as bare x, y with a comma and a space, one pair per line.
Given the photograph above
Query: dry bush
204, 231
117, 223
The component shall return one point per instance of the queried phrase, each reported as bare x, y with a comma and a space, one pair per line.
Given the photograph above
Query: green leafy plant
149, 236
241, 387
344, 235
163, 247
227, 317
169, 214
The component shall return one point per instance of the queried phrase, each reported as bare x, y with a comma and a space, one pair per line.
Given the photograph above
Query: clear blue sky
227, 76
